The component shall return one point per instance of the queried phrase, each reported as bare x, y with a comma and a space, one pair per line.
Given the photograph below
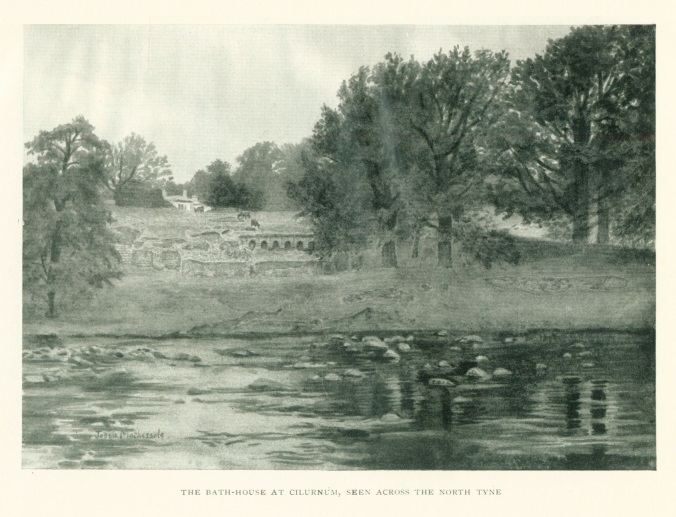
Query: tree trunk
603, 210
581, 208
444, 245
416, 246
51, 312
389, 254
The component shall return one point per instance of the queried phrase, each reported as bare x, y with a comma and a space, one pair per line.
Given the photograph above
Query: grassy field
557, 286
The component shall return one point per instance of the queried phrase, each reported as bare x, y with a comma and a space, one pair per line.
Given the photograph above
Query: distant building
184, 202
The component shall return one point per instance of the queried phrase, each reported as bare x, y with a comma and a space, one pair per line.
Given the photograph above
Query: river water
572, 401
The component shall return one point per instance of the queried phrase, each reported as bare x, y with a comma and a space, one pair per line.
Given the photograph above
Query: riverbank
581, 289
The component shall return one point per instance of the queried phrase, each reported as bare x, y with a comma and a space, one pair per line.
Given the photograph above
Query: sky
202, 93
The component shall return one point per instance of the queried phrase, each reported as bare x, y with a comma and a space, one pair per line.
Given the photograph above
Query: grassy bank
556, 286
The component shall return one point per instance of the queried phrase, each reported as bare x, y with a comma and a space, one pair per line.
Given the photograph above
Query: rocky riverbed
412, 400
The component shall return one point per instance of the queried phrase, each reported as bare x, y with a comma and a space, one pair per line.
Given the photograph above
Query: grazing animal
255, 224
243, 215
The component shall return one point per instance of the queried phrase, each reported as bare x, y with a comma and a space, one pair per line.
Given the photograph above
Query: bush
488, 246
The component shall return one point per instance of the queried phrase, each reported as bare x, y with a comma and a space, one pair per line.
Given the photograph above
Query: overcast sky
207, 92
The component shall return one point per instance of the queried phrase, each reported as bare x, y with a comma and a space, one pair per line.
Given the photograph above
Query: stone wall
214, 269
209, 254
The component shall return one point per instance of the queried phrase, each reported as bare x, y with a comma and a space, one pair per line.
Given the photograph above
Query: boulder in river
374, 343
183, 356
394, 339
501, 372
262, 384
333, 377
567, 356
473, 338
304, 365
391, 355
481, 359
444, 364
477, 373
337, 339
390, 417
34, 379
442, 333
198, 391
353, 373
404, 347
461, 400
443, 383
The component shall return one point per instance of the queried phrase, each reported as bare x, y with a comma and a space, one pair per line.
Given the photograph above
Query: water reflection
382, 416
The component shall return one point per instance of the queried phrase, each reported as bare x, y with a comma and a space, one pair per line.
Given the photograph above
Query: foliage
134, 159
67, 246
331, 197
216, 187
410, 133
566, 143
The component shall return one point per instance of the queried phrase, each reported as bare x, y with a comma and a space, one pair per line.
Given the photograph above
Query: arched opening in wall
264, 245
299, 246
252, 244
311, 246
287, 245
275, 245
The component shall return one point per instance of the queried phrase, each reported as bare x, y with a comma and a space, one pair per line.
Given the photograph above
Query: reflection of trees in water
596, 419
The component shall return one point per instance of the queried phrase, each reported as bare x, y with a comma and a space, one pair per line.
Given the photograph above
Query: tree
411, 134
67, 247
219, 187
572, 113
134, 159
257, 170
334, 198
437, 113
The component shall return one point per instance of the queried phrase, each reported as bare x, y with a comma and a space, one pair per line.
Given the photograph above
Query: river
548, 400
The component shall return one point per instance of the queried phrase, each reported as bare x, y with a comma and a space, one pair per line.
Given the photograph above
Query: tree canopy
134, 160
575, 122
67, 246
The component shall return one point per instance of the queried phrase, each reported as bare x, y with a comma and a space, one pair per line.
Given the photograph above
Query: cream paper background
157, 493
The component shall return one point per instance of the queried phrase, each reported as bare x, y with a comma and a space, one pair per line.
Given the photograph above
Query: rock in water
471, 339
444, 383
197, 391
337, 339
477, 373
404, 347
481, 359
374, 343
442, 333
332, 377
265, 385
390, 417
444, 364
501, 372
300, 366
182, 356
567, 356
353, 373
391, 355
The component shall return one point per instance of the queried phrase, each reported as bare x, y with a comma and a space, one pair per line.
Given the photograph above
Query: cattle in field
242, 216
255, 224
